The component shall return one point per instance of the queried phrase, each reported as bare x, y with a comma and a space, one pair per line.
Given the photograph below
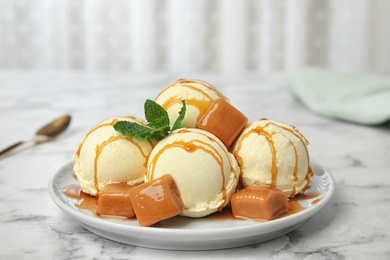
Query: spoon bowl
54, 128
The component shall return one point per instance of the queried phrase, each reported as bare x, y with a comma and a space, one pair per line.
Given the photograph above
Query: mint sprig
133, 129
180, 118
155, 115
158, 125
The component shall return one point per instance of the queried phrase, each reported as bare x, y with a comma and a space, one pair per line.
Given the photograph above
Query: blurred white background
195, 35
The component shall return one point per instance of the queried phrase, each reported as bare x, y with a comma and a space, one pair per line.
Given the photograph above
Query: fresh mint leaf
158, 123
159, 134
133, 129
156, 115
180, 118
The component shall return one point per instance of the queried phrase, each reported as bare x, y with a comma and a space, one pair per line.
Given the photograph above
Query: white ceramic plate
181, 233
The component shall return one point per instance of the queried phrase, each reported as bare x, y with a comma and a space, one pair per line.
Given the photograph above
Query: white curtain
195, 35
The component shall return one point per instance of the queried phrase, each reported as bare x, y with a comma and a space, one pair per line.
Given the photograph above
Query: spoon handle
11, 148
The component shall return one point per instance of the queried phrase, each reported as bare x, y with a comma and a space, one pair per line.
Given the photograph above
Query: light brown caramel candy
114, 200
224, 121
156, 200
259, 202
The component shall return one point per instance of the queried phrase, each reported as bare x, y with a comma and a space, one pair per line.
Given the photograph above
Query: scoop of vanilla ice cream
199, 96
105, 156
205, 173
274, 154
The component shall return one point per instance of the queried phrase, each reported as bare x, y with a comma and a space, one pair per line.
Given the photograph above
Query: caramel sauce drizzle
202, 105
315, 201
112, 123
306, 196
260, 131
223, 148
99, 148
83, 200
191, 147
296, 133
274, 169
309, 175
293, 207
295, 173
205, 84
90, 132
186, 82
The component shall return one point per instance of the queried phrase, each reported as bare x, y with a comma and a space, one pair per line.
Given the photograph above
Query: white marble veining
354, 225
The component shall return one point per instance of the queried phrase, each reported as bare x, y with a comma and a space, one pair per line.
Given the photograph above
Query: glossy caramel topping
293, 207
114, 200
88, 202
259, 202
156, 200
224, 121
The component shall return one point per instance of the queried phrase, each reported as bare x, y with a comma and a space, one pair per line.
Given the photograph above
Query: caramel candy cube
259, 202
224, 121
156, 200
114, 200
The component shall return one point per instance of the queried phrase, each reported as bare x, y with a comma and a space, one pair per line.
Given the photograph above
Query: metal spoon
44, 134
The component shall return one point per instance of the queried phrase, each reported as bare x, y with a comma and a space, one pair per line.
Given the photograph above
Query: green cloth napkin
358, 98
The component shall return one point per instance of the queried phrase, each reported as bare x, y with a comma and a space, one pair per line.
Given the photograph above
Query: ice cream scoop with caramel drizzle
104, 156
199, 96
274, 154
205, 173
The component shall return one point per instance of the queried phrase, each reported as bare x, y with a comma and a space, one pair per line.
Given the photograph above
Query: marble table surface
353, 225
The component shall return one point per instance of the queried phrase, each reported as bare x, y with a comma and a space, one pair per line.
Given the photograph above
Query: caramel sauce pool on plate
88, 202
